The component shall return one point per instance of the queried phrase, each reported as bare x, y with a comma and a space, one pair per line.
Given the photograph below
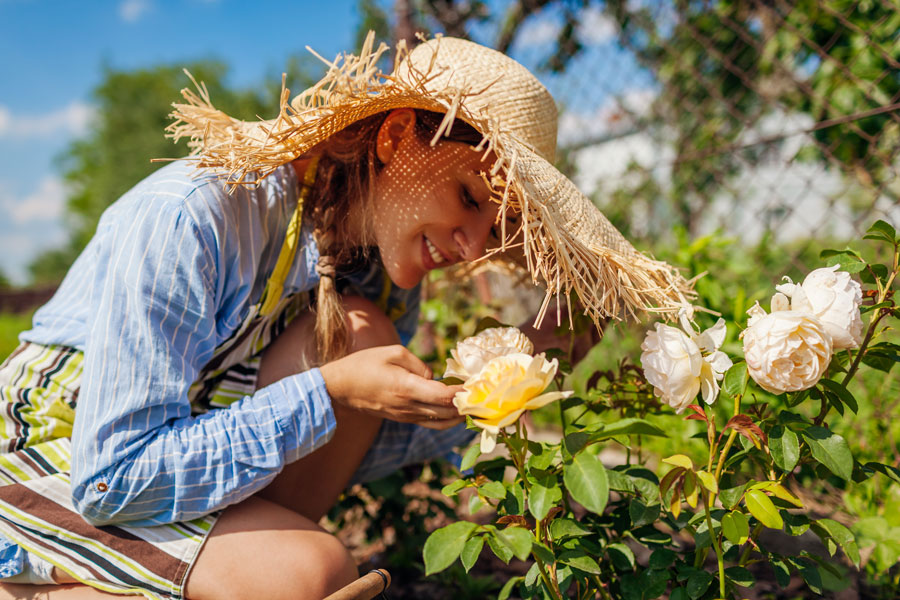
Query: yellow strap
275, 286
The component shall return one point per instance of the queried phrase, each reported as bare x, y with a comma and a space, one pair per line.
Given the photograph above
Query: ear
399, 124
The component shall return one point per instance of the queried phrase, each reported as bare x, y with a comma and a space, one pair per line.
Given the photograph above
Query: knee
313, 572
367, 325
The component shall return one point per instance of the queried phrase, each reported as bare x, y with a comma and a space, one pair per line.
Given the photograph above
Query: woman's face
432, 208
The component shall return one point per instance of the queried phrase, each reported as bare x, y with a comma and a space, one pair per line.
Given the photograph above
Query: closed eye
468, 200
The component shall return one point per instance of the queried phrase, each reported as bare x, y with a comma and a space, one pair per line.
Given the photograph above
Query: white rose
834, 298
787, 350
675, 365
472, 353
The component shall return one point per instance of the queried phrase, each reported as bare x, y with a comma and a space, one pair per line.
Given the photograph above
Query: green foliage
11, 325
752, 461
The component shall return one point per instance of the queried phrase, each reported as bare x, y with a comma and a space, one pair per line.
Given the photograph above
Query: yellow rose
506, 387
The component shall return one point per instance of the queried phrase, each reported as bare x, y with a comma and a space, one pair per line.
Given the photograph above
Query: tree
132, 109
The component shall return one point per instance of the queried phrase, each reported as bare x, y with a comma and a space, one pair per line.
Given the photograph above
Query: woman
222, 405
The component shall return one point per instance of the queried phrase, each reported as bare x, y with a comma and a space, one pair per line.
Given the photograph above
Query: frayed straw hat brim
566, 243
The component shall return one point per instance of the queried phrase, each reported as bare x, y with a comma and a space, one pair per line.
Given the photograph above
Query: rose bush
645, 524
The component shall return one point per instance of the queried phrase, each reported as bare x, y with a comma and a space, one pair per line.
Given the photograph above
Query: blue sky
54, 51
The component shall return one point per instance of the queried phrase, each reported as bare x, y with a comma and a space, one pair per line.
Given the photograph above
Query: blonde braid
331, 320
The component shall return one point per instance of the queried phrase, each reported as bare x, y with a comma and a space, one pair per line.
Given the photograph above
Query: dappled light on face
431, 209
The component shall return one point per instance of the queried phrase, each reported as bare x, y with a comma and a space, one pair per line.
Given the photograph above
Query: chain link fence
765, 120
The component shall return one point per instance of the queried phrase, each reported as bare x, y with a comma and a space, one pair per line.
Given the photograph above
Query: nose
471, 238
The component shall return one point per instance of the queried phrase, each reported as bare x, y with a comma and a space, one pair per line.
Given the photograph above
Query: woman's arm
138, 454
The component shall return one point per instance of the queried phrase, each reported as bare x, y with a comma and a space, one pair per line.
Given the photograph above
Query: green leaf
795, 524
501, 550
543, 459
846, 262
740, 576
785, 448
469, 458
841, 392
581, 561
471, 551
736, 527
444, 545
517, 539
735, 379
661, 558
574, 442
514, 504
887, 470
679, 460
487, 323
585, 478
619, 482
730, 497
881, 230
560, 528
452, 488
840, 534
698, 583
642, 514
709, 481
545, 494
831, 450
782, 572
493, 489
629, 426
621, 556
761, 507
507, 588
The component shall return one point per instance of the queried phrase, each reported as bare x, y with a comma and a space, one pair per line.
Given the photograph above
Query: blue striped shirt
172, 271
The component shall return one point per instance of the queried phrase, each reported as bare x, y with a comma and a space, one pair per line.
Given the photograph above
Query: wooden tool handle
365, 588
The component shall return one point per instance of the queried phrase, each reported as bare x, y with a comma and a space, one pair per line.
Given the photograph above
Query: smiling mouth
434, 253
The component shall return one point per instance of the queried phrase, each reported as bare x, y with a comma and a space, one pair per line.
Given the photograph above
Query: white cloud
541, 29
595, 28
132, 10
68, 120
44, 204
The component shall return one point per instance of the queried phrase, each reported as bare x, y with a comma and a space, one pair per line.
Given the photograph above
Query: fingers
409, 361
442, 424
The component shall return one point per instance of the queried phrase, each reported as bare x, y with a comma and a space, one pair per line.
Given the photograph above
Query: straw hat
567, 243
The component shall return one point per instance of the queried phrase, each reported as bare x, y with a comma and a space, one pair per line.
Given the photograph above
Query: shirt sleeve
138, 454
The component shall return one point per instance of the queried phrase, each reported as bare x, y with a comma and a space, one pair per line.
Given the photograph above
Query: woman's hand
392, 383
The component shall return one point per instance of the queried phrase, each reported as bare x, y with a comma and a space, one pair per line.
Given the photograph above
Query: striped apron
38, 397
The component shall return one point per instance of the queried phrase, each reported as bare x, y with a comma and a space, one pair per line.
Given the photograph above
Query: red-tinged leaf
745, 426
513, 521
675, 504
700, 413
552, 513
669, 479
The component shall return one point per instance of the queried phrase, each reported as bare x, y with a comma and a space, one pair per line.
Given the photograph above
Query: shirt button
102, 487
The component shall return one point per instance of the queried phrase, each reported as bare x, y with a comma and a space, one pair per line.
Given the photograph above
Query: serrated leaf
444, 545
881, 230
493, 489
831, 450
586, 480
761, 507
500, 550
619, 482
582, 562
679, 460
642, 514
453, 487
470, 457
629, 426
544, 494
735, 379
518, 540
736, 527
621, 556
841, 392
471, 551
784, 447
730, 497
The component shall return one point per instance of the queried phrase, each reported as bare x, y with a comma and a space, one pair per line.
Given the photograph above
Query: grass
11, 325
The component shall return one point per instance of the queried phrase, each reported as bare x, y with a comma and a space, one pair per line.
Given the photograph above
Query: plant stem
746, 553
715, 540
554, 591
